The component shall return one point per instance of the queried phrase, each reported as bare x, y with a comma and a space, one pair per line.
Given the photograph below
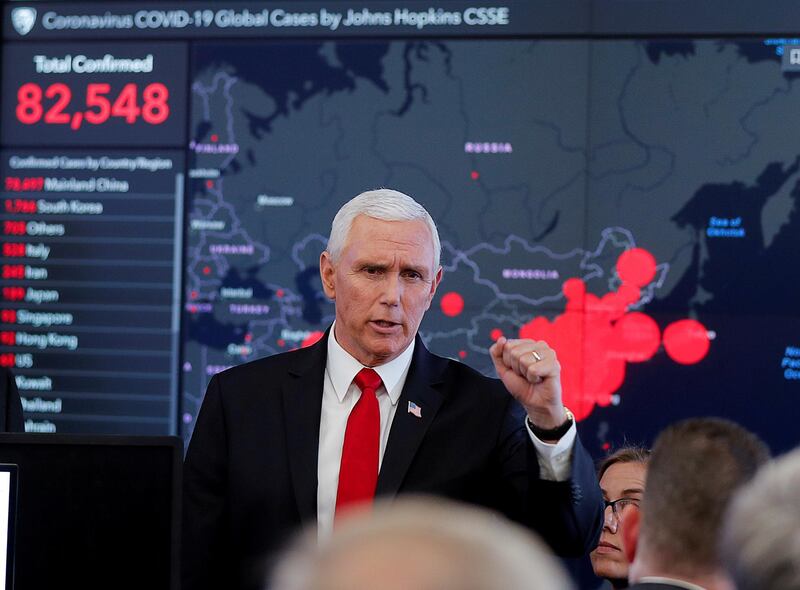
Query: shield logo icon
23, 18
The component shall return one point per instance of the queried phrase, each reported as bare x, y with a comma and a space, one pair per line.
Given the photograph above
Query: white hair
421, 544
384, 204
761, 539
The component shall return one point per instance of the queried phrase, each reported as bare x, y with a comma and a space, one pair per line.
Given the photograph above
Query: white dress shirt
669, 581
339, 396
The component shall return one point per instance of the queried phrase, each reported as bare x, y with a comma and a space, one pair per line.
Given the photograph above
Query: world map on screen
634, 203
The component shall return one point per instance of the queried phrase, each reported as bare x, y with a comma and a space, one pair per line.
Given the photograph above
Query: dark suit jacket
10, 404
250, 475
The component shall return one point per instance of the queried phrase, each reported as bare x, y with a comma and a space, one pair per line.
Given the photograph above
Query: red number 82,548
99, 107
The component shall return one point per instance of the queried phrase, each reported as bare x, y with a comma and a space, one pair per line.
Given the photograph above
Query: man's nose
392, 289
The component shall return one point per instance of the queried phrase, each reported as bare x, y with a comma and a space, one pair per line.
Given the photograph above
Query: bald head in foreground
421, 544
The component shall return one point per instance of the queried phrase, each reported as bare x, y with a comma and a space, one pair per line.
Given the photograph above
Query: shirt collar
669, 581
342, 368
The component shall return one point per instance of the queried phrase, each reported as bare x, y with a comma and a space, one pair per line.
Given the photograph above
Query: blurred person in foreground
623, 475
761, 536
421, 544
695, 468
298, 438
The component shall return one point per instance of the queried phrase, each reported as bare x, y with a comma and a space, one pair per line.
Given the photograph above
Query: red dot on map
628, 293
192, 309
312, 339
214, 137
210, 183
496, 334
636, 266
206, 270
636, 337
279, 293
281, 342
686, 341
452, 304
573, 289
474, 175
606, 446
193, 294
462, 354
248, 337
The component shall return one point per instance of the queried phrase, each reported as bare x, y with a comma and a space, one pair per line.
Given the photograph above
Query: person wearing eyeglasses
622, 479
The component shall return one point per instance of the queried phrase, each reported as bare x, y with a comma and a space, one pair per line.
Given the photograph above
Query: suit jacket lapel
423, 387
302, 407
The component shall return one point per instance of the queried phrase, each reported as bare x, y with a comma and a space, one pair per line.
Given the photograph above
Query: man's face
621, 480
382, 284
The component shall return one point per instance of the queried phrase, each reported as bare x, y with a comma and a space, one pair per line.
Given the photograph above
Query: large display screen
170, 172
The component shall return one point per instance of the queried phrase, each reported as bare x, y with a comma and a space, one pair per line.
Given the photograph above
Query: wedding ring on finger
537, 357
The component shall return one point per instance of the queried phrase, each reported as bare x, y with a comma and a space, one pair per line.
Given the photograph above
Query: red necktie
358, 473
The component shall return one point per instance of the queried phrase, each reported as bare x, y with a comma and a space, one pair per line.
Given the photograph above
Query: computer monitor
95, 511
8, 515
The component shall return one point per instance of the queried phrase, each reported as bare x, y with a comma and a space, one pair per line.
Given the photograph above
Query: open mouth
385, 324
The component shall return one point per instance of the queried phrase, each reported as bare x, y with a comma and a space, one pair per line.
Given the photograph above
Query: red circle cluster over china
596, 337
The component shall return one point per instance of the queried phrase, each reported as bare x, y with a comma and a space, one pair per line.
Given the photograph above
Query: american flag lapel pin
414, 409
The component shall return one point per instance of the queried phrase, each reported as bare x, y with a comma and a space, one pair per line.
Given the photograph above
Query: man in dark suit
10, 404
368, 411
695, 468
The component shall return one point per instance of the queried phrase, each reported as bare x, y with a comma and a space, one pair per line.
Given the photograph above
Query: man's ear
437, 278
630, 533
326, 275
